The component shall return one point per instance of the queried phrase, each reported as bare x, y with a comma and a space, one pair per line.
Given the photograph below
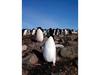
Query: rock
58, 50
68, 52
58, 73
33, 59
54, 73
24, 72
31, 46
76, 62
73, 43
39, 35
24, 47
62, 73
56, 42
58, 58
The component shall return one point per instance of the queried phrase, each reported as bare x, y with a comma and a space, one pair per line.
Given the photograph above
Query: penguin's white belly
33, 32
39, 35
49, 52
25, 32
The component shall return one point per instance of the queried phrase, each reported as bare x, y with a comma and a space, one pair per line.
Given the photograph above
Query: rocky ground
33, 62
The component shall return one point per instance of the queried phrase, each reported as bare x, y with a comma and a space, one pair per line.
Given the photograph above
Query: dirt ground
33, 62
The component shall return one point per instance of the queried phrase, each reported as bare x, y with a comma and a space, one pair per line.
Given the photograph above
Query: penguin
57, 32
74, 32
44, 32
33, 31
39, 35
66, 32
51, 32
24, 32
60, 31
49, 51
69, 31
28, 31
40, 28
54, 32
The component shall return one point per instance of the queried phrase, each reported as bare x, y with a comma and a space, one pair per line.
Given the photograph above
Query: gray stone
33, 59
69, 52
24, 47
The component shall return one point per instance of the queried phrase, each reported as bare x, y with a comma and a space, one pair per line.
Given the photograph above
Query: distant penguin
51, 32
40, 28
69, 31
66, 32
57, 32
49, 51
28, 31
74, 32
24, 32
54, 32
60, 31
39, 35
44, 32
33, 31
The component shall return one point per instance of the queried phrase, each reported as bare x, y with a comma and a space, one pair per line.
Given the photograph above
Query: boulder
69, 52
33, 59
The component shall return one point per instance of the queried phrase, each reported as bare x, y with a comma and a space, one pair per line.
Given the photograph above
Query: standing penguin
24, 32
51, 32
49, 51
33, 31
39, 35
66, 32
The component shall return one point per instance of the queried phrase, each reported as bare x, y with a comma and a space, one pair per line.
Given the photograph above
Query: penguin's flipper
59, 45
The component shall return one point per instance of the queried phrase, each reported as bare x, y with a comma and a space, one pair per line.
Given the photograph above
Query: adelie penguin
33, 31
39, 35
24, 32
51, 32
49, 51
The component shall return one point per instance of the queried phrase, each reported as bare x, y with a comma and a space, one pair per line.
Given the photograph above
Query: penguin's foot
53, 65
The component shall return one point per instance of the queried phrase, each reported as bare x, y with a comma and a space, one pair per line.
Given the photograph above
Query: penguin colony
48, 32
49, 50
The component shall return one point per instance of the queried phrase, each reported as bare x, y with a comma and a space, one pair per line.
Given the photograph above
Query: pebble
24, 47
24, 72
58, 58
68, 52
59, 73
33, 59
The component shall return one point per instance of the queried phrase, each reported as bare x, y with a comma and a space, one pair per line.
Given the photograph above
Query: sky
50, 13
